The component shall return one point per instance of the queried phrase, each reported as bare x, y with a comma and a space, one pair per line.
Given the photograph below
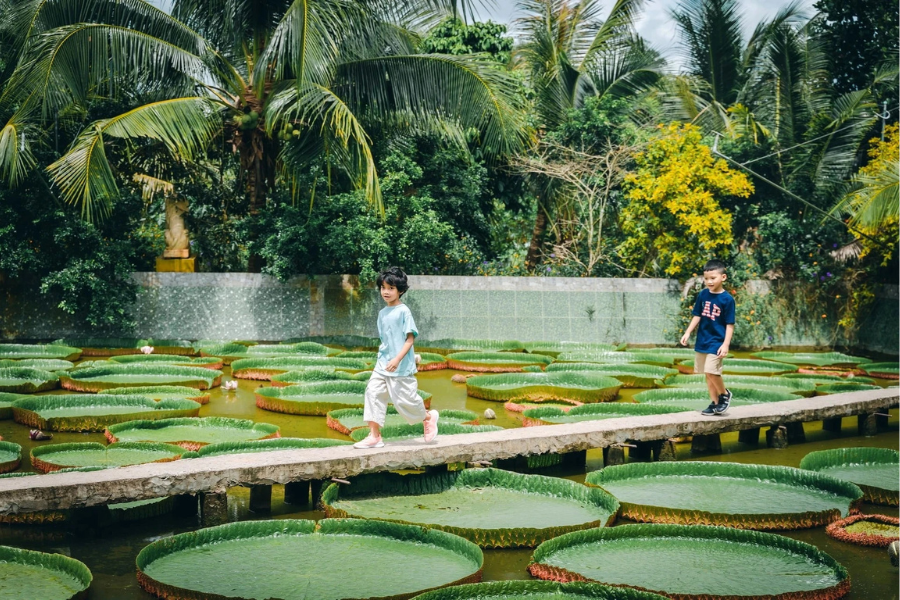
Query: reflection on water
110, 552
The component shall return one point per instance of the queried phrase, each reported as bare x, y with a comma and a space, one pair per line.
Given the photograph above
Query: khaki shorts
710, 364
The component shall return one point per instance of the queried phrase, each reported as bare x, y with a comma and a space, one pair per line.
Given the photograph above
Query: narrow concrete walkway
216, 474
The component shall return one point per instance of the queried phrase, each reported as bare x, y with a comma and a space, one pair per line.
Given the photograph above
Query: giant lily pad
883, 370
26, 351
737, 495
29, 575
264, 368
430, 361
866, 530
316, 398
630, 375
823, 379
191, 434
745, 366
450, 345
697, 397
842, 387
6, 401
580, 386
235, 561
537, 590
312, 374
205, 362
676, 353
674, 560
875, 470
119, 346
493, 508
554, 349
618, 358
548, 415
91, 454
346, 420
495, 362
821, 359
416, 430
22, 380
266, 445
44, 364
353, 342
10, 456
163, 392
77, 412
98, 379
141, 509
800, 387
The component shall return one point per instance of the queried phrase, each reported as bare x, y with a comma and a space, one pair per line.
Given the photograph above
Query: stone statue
177, 242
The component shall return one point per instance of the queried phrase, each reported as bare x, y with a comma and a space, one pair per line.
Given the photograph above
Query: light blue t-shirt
394, 323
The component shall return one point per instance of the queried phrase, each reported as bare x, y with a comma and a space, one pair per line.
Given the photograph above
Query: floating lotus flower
229, 386
489, 414
39, 436
146, 349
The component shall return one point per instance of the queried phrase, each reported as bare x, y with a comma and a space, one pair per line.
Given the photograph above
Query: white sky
655, 25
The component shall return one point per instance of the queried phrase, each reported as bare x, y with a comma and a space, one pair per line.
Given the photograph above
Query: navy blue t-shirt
715, 312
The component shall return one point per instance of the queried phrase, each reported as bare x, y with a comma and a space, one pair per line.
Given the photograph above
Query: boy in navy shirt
714, 313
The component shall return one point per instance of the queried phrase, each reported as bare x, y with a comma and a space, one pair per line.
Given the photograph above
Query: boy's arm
687, 334
395, 362
723, 349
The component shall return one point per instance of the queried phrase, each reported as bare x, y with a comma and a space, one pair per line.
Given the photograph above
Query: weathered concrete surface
67, 490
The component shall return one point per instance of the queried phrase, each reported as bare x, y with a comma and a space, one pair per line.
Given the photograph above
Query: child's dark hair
714, 265
393, 276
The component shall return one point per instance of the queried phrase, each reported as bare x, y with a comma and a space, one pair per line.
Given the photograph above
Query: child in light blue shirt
393, 379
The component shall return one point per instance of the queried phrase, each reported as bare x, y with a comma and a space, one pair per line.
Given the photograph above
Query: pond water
110, 552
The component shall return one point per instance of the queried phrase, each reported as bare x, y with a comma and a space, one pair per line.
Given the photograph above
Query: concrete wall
251, 306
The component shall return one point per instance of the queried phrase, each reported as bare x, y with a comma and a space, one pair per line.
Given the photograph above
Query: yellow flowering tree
673, 219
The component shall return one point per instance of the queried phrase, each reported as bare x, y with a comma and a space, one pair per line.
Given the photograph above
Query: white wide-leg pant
401, 391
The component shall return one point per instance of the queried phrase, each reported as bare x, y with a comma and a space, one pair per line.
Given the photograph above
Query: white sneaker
430, 426
370, 442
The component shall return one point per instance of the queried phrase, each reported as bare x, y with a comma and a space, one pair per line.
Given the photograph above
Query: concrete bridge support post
261, 498
706, 443
795, 432
213, 508
867, 424
296, 493
613, 455
833, 425
664, 450
749, 436
776, 436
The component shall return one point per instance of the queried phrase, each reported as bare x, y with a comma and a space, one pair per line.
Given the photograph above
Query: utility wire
827, 215
883, 116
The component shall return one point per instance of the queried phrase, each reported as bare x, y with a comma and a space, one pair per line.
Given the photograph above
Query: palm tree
570, 54
287, 82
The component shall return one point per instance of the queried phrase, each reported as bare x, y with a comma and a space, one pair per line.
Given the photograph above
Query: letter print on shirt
710, 310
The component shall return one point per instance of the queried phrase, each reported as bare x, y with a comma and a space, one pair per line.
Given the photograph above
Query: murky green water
110, 553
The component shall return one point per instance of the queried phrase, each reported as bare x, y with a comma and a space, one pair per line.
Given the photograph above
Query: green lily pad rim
820, 359
627, 409
499, 358
41, 452
659, 532
47, 351
523, 589
266, 445
51, 562
405, 431
378, 483
282, 527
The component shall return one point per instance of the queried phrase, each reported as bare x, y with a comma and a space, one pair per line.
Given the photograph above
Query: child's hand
685, 338
722, 351
392, 365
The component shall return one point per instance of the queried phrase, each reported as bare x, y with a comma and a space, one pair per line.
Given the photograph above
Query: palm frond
616, 29
626, 70
874, 198
16, 157
31, 18
183, 125
335, 128
467, 89
69, 64
712, 41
